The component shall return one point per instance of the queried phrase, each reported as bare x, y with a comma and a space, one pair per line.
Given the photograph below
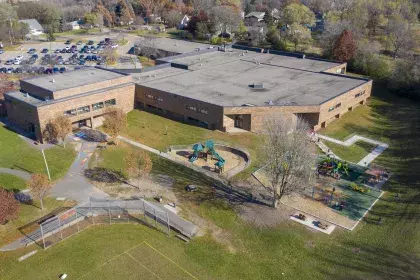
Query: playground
213, 157
342, 194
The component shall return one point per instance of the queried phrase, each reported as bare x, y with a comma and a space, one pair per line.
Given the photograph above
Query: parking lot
62, 56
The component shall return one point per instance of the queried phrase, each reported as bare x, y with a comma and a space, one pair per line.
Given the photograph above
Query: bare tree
115, 121
400, 36
289, 156
110, 55
39, 185
149, 6
202, 5
173, 18
146, 46
225, 18
138, 165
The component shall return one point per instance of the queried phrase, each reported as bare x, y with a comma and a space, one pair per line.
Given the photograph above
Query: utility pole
46, 164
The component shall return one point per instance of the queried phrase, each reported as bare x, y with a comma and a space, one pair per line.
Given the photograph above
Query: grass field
10, 182
17, 154
353, 153
160, 133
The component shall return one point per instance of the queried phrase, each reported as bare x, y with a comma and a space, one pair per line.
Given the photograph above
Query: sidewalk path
379, 149
18, 173
74, 185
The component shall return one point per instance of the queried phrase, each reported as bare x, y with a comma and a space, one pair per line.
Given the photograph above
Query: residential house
184, 22
253, 18
35, 28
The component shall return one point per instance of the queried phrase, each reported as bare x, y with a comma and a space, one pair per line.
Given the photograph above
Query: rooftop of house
33, 23
238, 78
178, 46
259, 15
72, 79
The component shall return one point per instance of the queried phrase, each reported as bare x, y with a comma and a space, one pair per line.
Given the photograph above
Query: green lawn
17, 154
160, 133
10, 182
354, 153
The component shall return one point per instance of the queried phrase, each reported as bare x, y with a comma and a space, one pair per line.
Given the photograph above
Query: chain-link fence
93, 212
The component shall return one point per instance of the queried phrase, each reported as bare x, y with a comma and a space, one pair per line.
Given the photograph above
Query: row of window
359, 94
195, 109
154, 97
334, 107
86, 109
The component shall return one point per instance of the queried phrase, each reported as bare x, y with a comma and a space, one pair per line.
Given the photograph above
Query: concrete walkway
379, 149
74, 185
18, 173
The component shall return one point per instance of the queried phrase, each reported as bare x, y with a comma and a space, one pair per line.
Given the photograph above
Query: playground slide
193, 158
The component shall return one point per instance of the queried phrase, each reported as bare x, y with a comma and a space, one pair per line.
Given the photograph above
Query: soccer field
140, 262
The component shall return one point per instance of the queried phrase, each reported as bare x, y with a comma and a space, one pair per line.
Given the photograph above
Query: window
71, 112
359, 94
338, 105
82, 110
97, 106
159, 99
331, 108
203, 111
110, 102
154, 97
191, 108
150, 96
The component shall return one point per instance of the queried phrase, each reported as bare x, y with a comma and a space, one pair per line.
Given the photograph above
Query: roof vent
303, 56
257, 86
52, 81
92, 73
201, 64
270, 102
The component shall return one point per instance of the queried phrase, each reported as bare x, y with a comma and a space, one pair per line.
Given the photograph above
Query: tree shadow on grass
105, 175
361, 261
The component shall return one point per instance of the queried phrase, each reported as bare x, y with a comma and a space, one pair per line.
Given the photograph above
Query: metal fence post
167, 222
109, 212
154, 213
43, 238
77, 222
91, 211
59, 224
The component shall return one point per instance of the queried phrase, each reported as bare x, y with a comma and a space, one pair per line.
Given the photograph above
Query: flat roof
72, 79
178, 46
220, 80
214, 58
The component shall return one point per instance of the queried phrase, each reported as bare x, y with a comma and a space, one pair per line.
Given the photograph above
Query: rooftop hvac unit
258, 86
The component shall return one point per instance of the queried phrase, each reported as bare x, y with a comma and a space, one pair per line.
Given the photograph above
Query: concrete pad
311, 222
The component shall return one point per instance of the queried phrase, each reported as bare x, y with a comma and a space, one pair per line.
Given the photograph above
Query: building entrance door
239, 121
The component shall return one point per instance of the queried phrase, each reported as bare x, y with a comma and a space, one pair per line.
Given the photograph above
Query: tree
146, 46
9, 206
173, 18
107, 17
124, 13
110, 55
241, 32
149, 6
268, 18
225, 19
400, 36
369, 62
405, 79
115, 121
297, 13
345, 47
332, 31
138, 165
90, 18
58, 128
299, 35
289, 156
39, 185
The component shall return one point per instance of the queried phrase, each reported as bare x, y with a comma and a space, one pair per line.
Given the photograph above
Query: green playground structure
207, 150
332, 167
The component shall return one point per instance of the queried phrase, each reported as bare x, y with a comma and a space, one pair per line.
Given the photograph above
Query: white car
67, 48
17, 62
19, 57
114, 46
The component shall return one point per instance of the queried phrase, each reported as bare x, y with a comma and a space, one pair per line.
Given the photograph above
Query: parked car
79, 43
9, 62
63, 51
91, 42
17, 62
191, 188
48, 71
114, 46
68, 42
57, 51
63, 69
1, 51
88, 58
3, 70
41, 70
82, 62
107, 40
19, 57
31, 51
35, 56
82, 56
9, 70
56, 70
44, 51
94, 57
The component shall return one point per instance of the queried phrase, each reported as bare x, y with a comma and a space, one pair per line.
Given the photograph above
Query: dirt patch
265, 216
152, 187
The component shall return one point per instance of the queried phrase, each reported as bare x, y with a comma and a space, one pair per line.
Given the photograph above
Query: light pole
46, 164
